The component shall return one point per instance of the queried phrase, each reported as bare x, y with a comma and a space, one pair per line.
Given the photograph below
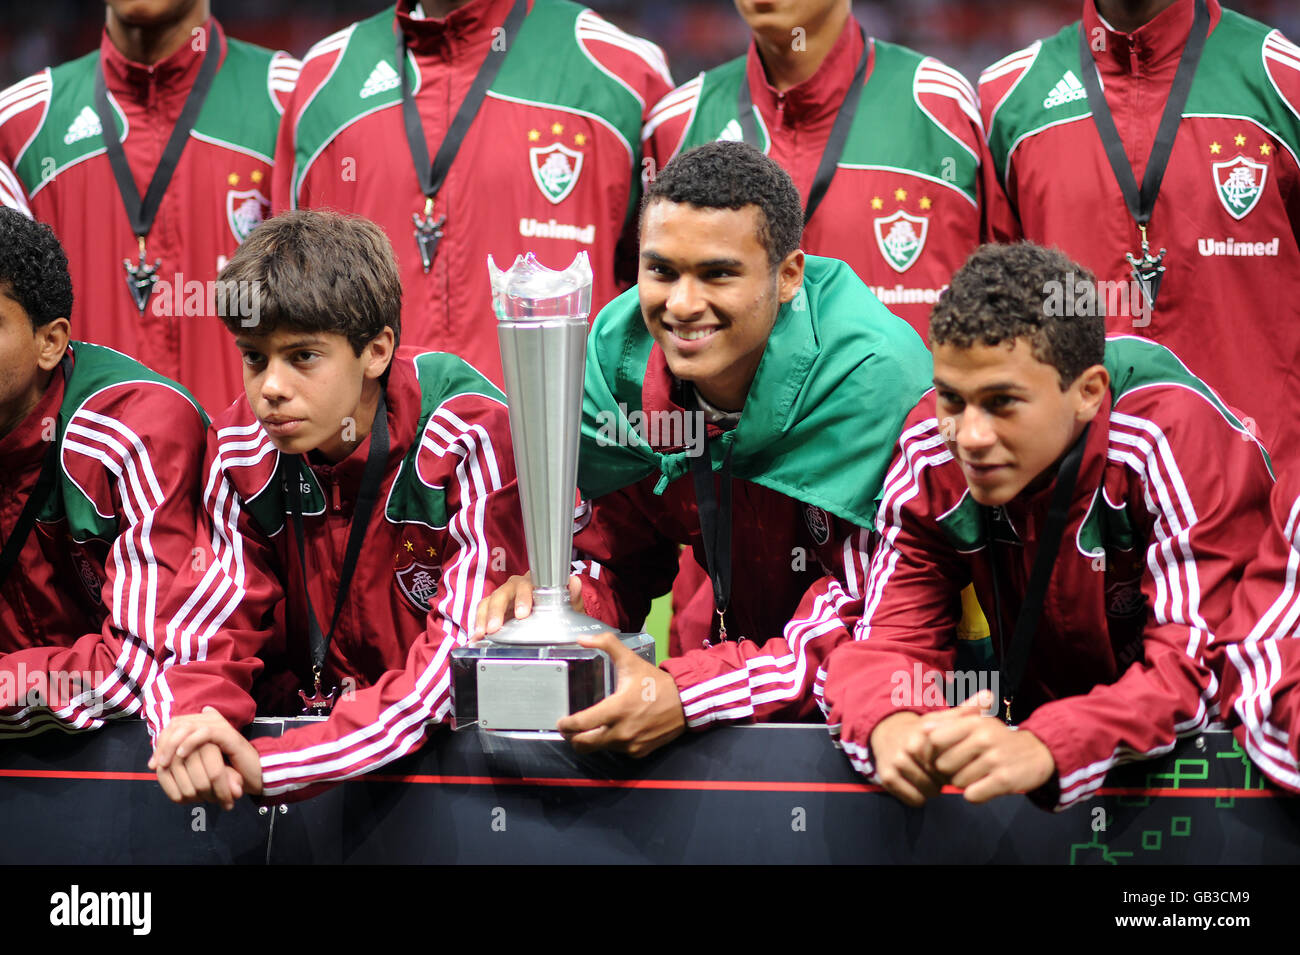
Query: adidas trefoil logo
382, 78
1067, 90
83, 127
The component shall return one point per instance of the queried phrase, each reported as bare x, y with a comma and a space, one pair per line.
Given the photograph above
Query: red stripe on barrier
699, 785
706, 785
69, 774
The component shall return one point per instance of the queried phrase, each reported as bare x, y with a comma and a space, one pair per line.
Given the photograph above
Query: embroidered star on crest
925, 202
900, 194
877, 203
1265, 149
1215, 148
1239, 139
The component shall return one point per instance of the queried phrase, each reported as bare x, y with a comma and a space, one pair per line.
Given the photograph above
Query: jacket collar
819, 96
1153, 48
465, 29
175, 73
663, 394
26, 444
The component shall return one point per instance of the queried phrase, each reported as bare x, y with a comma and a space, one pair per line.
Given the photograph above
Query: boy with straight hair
100, 458
1103, 501
357, 504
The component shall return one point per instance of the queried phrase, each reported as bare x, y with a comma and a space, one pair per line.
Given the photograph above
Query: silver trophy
532, 671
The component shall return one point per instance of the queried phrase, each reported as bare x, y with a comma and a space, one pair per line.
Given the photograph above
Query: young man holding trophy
744, 399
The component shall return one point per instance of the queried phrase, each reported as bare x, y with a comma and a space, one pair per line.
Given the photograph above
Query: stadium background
694, 34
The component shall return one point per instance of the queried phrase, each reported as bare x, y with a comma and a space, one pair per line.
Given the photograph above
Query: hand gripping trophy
533, 671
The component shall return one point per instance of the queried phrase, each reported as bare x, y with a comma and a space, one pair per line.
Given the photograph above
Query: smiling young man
785, 376
903, 210
100, 458
1067, 476
338, 441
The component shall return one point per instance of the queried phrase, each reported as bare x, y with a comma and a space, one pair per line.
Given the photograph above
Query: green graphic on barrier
1108, 855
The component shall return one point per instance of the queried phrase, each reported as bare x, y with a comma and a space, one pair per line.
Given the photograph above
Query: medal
428, 230
428, 233
319, 703
140, 213
140, 279
1148, 270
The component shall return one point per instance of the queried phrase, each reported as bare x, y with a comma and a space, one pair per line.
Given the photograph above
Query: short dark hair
317, 271
732, 175
1002, 293
34, 268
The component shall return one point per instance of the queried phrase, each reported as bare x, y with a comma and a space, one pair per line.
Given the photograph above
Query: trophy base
552, 623
515, 688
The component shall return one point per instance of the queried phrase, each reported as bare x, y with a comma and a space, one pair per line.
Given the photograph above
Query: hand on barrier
984, 756
904, 757
643, 713
202, 758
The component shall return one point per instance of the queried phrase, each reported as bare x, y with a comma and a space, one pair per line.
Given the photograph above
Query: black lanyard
1015, 655
1148, 270
715, 527
140, 278
839, 131
432, 175
36, 499
371, 477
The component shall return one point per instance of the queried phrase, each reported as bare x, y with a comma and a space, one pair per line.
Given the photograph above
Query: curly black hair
732, 175
34, 268
1005, 292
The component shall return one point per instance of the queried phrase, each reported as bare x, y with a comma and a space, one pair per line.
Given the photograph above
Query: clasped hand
916, 755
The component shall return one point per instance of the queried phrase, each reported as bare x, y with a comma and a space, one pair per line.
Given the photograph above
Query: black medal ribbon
1015, 656
140, 278
1148, 270
36, 499
371, 477
428, 231
715, 527
839, 130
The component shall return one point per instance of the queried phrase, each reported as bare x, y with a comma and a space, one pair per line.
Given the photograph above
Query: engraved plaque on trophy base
503, 687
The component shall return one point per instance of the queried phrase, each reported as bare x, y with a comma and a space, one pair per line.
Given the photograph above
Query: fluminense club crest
1239, 183
901, 237
419, 583
245, 210
555, 170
